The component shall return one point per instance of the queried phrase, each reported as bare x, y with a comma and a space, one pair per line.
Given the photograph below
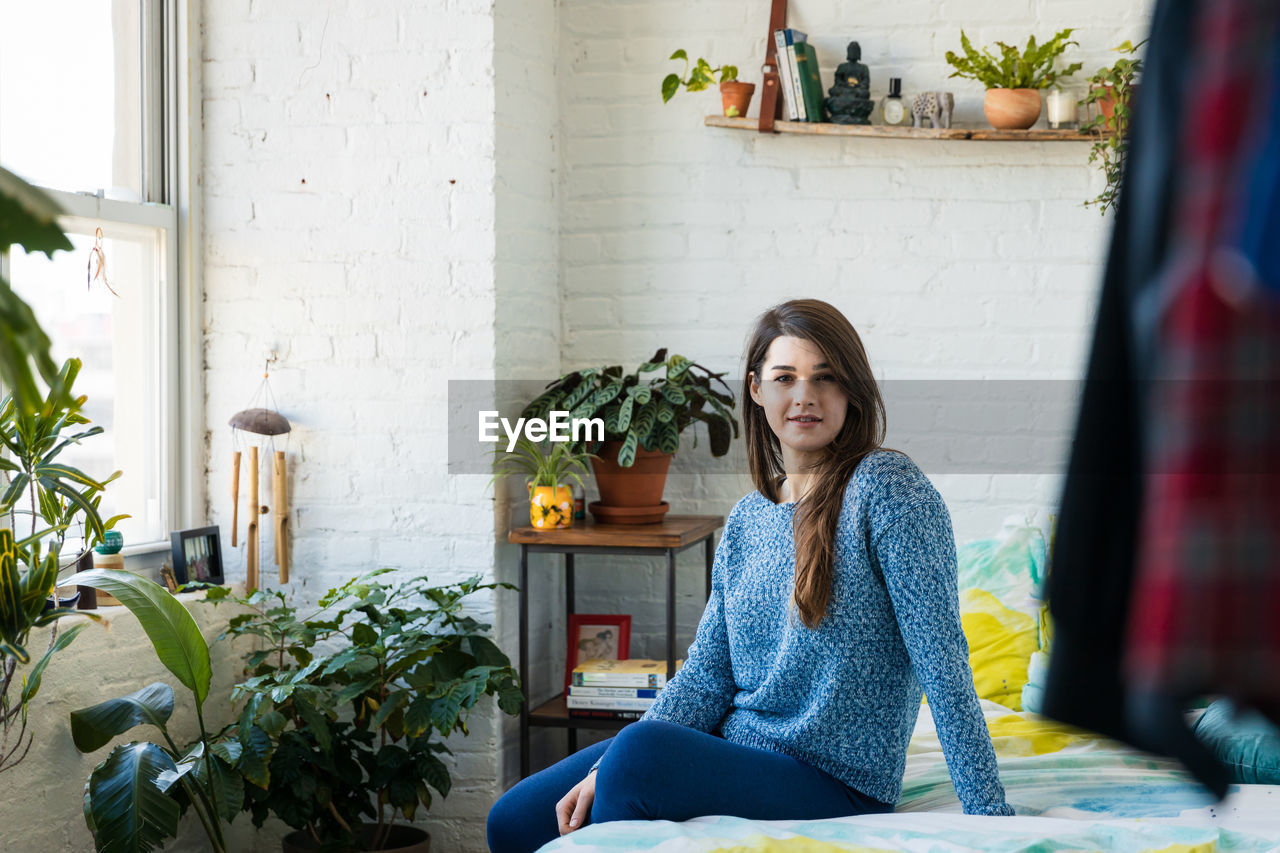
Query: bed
1073, 791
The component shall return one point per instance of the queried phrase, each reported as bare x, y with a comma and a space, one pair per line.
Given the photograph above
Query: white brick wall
952, 259
398, 194
349, 181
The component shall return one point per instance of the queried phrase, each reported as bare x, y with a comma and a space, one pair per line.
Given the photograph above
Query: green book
810, 81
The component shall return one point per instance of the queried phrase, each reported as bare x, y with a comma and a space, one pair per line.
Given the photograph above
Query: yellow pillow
1001, 642
1000, 610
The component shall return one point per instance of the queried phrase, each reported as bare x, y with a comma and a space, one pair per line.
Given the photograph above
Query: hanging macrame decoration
257, 427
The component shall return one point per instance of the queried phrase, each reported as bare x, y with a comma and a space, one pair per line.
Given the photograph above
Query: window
87, 112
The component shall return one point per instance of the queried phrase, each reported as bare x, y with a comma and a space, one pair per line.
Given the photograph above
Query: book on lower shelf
607, 703
634, 672
598, 714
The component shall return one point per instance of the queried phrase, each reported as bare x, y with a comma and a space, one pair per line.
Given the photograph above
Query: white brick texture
401, 194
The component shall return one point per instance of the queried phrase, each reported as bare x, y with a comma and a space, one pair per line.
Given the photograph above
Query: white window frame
170, 152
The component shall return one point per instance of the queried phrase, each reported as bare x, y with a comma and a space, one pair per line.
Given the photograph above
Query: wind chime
260, 426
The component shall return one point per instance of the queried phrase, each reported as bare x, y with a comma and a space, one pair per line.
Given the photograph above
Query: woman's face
795, 382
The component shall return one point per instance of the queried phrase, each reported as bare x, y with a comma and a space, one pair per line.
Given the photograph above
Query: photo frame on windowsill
596, 635
197, 555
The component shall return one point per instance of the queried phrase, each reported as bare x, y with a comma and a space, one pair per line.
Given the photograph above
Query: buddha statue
850, 101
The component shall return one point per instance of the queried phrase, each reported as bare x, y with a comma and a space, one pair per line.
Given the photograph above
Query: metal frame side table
673, 534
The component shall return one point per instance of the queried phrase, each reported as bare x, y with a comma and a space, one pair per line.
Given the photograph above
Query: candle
1062, 108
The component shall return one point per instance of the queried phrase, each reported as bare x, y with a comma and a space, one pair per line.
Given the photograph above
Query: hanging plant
1111, 93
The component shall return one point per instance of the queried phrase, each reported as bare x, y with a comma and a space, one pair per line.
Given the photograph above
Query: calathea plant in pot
1014, 78
348, 708
643, 419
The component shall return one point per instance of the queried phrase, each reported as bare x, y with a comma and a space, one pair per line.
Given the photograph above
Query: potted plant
134, 799
1014, 78
643, 420
59, 495
735, 96
1112, 90
550, 497
348, 707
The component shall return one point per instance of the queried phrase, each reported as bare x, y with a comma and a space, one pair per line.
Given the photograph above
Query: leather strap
770, 100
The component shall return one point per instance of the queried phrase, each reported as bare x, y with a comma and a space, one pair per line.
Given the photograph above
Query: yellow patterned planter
550, 507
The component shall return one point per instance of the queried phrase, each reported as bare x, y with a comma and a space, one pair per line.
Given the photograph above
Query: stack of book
802, 94
616, 689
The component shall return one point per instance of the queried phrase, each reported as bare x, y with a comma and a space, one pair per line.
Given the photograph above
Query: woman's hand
573, 808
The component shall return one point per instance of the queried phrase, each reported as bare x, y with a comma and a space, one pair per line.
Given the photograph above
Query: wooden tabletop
674, 531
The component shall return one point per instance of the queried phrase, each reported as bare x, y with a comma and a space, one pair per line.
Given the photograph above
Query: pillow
1000, 580
1247, 745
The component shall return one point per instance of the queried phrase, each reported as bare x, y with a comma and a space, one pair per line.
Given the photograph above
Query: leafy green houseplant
735, 95
59, 496
350, 705
643, 418
1014, 78
549, 471
1111, 93
28, 218
135, 798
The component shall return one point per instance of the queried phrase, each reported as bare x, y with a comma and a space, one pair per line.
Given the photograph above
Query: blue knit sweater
844, 697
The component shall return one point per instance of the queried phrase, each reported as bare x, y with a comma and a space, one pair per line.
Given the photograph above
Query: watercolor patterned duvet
1073, 791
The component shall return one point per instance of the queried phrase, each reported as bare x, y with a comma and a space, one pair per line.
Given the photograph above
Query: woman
833, 608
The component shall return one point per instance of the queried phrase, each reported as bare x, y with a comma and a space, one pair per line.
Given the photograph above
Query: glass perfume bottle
893, 110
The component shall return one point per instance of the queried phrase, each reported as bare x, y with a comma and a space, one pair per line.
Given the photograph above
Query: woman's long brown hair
818, 513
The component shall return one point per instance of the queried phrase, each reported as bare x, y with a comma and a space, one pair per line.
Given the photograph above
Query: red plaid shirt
1205, 612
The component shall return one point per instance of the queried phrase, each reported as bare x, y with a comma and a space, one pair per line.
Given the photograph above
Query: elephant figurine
935, 106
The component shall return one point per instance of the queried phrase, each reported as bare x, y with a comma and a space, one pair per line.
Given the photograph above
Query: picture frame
197, 555
596, 635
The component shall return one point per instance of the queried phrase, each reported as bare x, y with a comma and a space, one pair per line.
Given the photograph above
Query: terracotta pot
403, 839
550, 507
1012, 109
640, 485
735, 97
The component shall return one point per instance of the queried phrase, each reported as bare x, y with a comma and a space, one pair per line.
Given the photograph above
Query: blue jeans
657, 770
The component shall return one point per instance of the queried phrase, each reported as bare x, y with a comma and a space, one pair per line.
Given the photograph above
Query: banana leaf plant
645, 413
134, 799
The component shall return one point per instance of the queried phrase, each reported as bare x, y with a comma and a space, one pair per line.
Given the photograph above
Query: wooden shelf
985, 134
674, 531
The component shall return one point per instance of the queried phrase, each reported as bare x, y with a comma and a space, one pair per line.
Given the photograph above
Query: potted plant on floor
1014, 78
1111, 92
550, 497
735, 96
643, 420
347, 709
134, 799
